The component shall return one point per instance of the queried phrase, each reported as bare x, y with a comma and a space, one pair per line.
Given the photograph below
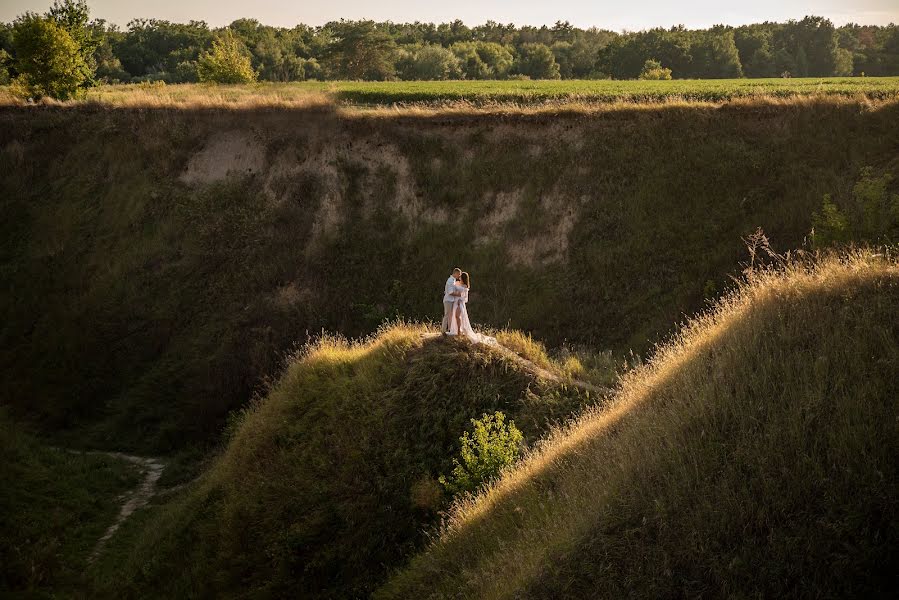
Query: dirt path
537, 370
151, 469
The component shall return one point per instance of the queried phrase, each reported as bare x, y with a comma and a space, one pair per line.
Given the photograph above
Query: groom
448, 298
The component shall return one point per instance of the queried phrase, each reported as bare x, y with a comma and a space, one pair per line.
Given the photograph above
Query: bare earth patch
227, 154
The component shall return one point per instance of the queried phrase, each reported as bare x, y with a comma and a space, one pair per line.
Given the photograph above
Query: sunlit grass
334, 467
731, 422
470, 95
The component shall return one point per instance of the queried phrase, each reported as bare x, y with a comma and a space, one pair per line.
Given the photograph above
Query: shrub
492, 447
5, 60
879, 208
187, 71
434, 62
653, 69
830, 225
227, 62
537, 61
871, 215
48, 60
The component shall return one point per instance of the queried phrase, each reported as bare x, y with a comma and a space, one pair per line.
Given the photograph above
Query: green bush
537, 61
227, 62
5, 60
653, 69
48, 59
870, 215
433, 62
879, 218
830, 225
492, 447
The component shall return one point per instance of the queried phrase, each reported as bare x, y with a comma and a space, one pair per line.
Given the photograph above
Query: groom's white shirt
448, 290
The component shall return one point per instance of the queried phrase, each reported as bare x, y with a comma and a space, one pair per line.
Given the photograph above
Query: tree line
159, 50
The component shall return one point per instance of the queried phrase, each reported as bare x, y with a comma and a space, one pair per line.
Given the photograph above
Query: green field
480, 93
603, 91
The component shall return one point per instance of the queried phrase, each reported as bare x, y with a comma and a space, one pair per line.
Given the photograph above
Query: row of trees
151, 49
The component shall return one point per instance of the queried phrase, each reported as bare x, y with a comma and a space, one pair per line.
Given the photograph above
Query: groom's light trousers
447, 311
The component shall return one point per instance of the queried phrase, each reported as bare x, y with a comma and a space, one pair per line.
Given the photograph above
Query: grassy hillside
54, 506
754, 456
159, 262
332, 477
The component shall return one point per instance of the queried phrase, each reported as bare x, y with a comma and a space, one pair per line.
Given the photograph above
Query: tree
537, 62
73, 16
784, 63
108, 68
753, 44
626, 56
483, 60
470, 62
497, 57
715, 55
227, 62
5, 60
276, 59
156, 49
653, 69
813, 44
48, 60
843, 63
360, 50
434, 62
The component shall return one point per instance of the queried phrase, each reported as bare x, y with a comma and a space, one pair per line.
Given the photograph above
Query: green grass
141, 309
753, 456
535, 92
479, 93
332, 477
55, 505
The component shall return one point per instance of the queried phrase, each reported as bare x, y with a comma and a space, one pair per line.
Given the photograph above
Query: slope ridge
332, 477
754, 455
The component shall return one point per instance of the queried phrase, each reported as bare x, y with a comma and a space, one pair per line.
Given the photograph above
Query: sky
617, 16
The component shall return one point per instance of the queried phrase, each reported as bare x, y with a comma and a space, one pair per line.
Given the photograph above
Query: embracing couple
455, 311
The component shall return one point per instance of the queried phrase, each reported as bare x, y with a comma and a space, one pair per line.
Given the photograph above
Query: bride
459, 323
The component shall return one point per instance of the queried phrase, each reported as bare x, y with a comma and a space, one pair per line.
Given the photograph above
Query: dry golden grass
327, 95
188, 96
741, 389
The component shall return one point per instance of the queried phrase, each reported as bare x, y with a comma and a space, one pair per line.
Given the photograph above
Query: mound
159, 261
332, 478
755, 456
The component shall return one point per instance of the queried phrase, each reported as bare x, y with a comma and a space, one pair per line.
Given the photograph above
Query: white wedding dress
459, 322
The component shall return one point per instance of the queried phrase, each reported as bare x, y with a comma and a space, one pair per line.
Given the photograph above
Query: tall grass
753, 456
475, 93
333, 475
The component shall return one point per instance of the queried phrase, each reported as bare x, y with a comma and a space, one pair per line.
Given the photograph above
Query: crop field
485, 93
602, 91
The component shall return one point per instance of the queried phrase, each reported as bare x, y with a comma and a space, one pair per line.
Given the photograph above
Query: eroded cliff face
160, 262
385, 179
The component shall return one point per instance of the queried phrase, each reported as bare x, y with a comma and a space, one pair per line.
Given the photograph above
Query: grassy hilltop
160, 261
332, 477
754, 456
